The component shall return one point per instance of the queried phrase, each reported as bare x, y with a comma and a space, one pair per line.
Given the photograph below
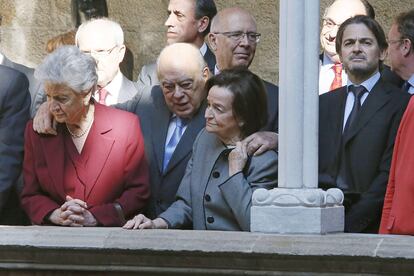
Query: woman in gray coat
215, 192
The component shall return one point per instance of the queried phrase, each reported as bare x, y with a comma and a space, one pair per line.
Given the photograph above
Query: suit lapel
215, 148
160, 122
98, 146
53, 149
128, 90
185, 145
210, 59
376, 99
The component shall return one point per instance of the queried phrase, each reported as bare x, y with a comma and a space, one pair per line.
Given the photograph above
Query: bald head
233, 38
183, 73
180, 57
335, 15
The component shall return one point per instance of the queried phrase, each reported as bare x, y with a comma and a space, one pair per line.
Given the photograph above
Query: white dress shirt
113, 88
327, 75
368, 84
411, 82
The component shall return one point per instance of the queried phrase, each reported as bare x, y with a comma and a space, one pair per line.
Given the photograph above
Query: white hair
69, 66
111, 28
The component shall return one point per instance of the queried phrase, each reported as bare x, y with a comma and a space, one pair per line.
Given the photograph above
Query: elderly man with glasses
233, 39
103, 39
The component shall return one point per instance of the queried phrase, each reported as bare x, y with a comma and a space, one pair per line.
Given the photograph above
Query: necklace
83, 132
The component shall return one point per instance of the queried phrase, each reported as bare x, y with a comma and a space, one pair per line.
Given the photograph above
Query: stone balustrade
114, 251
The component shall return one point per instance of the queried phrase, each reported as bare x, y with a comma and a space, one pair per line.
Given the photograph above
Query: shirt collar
114, 86
326, 60
369, 83
411, 80
203, 49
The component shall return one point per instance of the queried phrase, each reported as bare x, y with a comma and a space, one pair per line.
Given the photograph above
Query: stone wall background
28, 24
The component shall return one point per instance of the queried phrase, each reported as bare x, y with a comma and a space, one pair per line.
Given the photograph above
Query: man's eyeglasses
100, 53
329, 23
238, 36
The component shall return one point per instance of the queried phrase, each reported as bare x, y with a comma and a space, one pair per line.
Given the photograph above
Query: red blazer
117, 172
398, 210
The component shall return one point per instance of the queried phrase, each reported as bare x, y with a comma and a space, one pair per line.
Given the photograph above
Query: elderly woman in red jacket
93, 172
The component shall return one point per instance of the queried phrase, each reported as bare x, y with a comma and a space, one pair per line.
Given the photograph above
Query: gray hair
69, 66
108, 26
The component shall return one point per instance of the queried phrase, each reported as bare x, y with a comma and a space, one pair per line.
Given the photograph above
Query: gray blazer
128, 90
211, 200
36, 91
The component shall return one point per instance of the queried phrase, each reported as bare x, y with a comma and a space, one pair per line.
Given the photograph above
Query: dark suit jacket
148, 76
14, 114
368, 148
155, 118
272, 93
116, 172
36, 90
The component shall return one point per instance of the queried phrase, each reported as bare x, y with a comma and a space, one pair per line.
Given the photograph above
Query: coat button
216, 174
159, 201
207, 197
210, 219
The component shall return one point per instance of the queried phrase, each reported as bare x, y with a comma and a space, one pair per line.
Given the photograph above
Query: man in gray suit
188, 21
103, 39
180, 96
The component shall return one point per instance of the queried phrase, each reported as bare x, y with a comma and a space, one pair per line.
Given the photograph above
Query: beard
362, 70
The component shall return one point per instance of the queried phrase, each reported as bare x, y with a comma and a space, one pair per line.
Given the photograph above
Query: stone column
297, 205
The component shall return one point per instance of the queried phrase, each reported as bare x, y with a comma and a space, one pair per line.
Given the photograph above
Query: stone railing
97, 251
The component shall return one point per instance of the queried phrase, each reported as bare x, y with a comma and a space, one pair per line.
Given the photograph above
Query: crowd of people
186, 145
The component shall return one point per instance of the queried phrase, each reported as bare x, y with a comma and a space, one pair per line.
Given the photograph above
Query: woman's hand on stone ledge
142, 222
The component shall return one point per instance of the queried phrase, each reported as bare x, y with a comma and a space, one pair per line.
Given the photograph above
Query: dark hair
370, 23
205, 8
405, 25
368, 9
250, 102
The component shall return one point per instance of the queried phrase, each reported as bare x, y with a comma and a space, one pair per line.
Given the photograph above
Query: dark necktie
358, 91
406, 86
342, 179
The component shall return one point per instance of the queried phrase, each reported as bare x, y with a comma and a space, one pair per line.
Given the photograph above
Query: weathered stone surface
27, 25
57, 250
302, 220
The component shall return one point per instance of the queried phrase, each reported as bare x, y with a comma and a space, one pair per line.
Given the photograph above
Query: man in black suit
233, 39
188, 21
14, 113
358, 124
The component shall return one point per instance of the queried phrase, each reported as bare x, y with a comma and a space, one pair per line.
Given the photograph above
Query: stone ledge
57, 250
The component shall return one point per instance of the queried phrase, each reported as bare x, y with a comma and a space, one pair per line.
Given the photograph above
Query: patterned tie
406, 86
337, 81
358, 91
103, 93
174, 140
